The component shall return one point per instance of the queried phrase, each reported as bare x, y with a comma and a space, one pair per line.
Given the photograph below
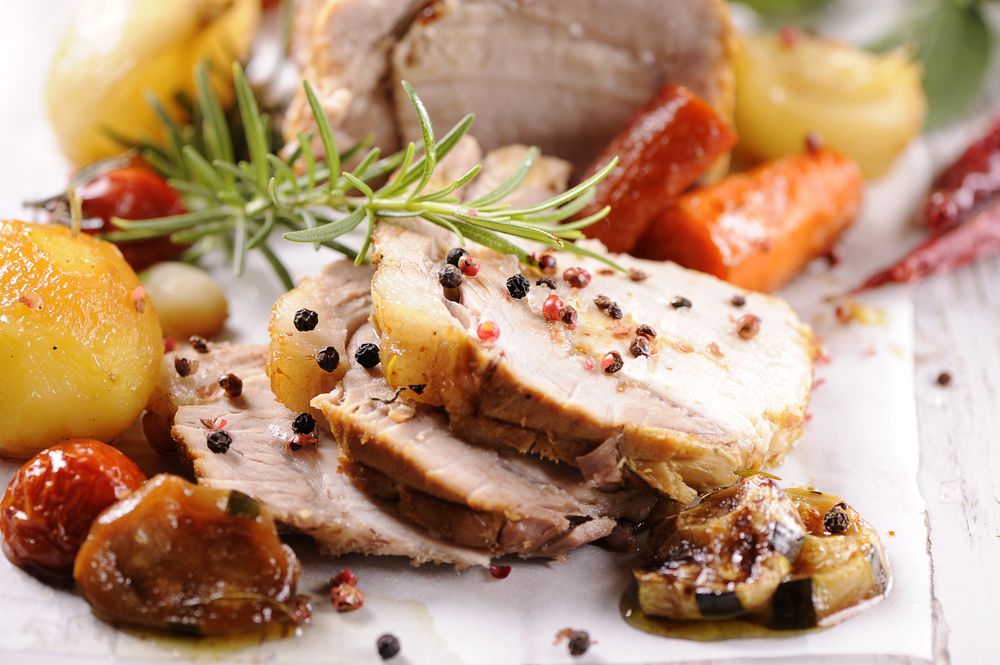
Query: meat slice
560, 75
304, 489
474, 495
704, 403
339, 297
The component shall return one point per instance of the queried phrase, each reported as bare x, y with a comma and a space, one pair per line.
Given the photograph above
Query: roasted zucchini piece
722, 557
841, 570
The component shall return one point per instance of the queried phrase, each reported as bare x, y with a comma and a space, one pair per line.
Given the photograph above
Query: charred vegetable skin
757, 229
723, 557
837, 566
841, 570
53, 499
189, 559
664, 149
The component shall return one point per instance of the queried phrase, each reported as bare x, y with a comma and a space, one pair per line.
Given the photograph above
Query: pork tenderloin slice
340, 296
306, 489
189, 377
705, 403
560, 75
548, 177
512, 502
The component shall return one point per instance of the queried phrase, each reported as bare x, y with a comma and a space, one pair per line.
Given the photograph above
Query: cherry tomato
48, 507
131, 192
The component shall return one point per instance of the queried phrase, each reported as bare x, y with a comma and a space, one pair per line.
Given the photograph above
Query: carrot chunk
758, 228
662, 150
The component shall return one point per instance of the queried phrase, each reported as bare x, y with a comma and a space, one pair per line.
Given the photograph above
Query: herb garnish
238, 205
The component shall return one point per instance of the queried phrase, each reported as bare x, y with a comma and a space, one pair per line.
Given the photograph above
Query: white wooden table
957, 319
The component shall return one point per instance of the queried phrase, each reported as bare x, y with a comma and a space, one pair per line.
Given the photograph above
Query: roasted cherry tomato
131, 192
48, 507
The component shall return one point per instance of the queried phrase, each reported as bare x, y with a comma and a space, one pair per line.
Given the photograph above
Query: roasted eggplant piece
188, 559
723, 557
842, 569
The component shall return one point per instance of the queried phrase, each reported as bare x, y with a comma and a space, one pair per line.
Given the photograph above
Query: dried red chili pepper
970, 180
975, 239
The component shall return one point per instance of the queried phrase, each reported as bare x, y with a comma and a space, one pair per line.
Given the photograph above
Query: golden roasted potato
116, 50
80, 344
863, 105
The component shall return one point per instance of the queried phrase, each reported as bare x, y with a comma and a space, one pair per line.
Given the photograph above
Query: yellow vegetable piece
115, 50
80, 346
863, 105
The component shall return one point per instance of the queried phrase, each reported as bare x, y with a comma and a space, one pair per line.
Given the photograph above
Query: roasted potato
81, 344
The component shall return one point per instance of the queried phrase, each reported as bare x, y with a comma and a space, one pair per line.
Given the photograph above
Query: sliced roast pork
475, 495
243, 442
560, 75
679, 376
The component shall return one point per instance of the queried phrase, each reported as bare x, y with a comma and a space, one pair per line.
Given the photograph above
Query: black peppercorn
232, 384
836, 519
646, 331
185, 367
678, 302
614, 311
602, 302
579, 642
388, 646
199, 344
305, 320
303, 424
612, 362
328, 358
546, 281
739, 301
367, 355
450, 277
454, 255
219, 441
518, 286
640, 347
569, 317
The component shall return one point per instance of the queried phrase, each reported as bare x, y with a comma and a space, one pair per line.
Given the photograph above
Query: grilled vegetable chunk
842, 569
723, 557
190, 559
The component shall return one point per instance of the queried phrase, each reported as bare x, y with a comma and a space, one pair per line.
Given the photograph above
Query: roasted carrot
662, 150
758, 228
972, 179
974, 239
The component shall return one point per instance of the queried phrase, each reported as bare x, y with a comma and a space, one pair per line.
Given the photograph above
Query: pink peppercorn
488, 332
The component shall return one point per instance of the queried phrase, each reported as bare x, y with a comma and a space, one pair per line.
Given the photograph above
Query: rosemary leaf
328, 231
370, 218
253, 125
325, 131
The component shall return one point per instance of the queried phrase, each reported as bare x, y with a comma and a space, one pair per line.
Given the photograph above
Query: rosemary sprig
238, 204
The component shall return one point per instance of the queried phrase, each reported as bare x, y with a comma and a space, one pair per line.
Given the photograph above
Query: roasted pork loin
691, 401
568, 74
304, 489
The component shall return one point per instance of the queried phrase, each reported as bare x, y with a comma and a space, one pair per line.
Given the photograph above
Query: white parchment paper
861, 443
